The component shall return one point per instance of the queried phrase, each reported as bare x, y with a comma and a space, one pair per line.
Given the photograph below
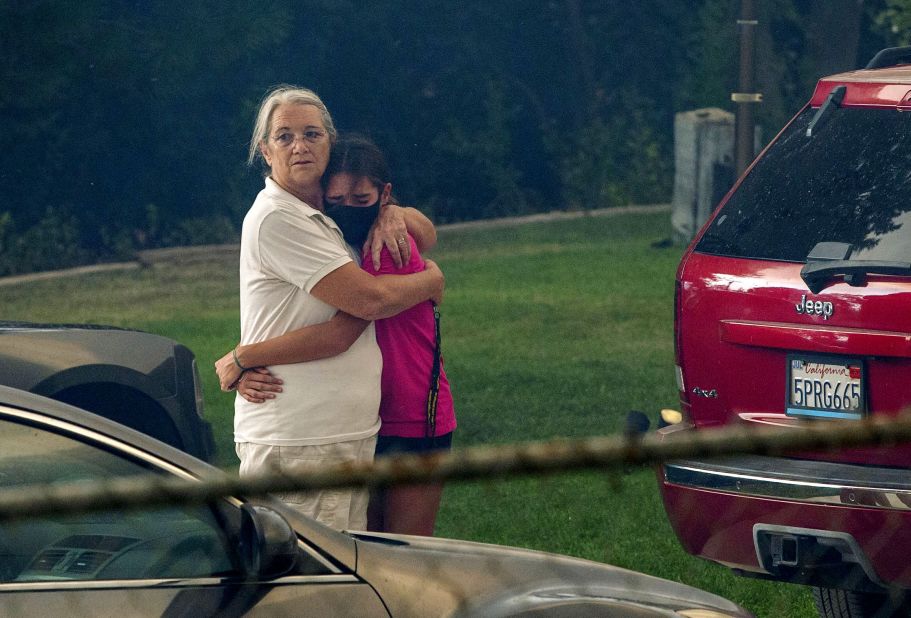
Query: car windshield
848, 183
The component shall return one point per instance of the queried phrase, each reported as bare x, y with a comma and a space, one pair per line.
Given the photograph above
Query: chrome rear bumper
797, 480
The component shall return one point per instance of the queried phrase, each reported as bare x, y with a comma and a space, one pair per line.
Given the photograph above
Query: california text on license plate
826, 387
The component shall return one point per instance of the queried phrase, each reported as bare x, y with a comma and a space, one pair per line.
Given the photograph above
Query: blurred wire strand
482, 462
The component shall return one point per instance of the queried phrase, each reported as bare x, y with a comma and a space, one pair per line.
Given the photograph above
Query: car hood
420, 576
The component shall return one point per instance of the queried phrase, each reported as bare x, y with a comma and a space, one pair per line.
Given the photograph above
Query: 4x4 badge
814, 307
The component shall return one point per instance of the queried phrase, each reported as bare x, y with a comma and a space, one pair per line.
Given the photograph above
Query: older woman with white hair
296, 270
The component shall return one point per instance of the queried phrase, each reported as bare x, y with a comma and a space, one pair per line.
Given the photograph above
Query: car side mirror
268, 543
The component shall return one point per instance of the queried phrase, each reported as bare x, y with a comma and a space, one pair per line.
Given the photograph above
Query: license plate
825, 387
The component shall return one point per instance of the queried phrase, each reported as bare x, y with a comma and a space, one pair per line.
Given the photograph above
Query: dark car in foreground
792, 309
145, 381
235, 556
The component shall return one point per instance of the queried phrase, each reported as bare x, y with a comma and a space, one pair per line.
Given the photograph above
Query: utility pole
745, 99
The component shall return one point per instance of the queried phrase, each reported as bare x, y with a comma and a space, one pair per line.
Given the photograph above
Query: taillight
678, 341
678, 375
678, 350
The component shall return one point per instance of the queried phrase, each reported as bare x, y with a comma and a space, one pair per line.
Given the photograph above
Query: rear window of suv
848, 183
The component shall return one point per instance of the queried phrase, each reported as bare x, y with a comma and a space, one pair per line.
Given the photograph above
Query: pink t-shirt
408, 343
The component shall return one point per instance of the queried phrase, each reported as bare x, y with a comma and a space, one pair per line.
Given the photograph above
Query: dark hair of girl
358, 156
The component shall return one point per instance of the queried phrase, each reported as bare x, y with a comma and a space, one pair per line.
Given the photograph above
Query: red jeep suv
793, 307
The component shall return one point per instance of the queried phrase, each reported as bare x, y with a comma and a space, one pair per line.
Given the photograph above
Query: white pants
342, 508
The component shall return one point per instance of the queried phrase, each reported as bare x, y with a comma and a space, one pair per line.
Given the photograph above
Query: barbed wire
471, 463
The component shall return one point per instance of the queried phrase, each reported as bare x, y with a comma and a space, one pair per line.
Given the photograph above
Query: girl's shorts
389, 445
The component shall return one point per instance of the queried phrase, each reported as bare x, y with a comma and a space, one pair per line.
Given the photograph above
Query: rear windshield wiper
817, 274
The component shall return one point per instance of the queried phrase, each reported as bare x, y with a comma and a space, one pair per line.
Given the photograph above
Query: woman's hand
432, 266
389, 231
258, 384
228, 372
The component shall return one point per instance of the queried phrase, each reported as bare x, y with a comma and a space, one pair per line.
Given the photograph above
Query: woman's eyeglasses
286, 139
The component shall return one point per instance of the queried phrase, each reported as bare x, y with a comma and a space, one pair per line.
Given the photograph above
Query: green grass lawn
549, 329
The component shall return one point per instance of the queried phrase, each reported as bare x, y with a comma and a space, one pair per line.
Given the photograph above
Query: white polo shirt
286, 248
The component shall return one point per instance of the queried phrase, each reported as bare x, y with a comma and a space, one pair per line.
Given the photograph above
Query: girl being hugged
416, 409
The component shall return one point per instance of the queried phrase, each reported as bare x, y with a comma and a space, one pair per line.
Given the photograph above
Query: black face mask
353, 221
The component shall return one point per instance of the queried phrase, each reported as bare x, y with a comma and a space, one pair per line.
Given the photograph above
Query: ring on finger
401, 241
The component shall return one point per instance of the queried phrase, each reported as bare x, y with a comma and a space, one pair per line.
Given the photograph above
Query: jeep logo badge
814, 307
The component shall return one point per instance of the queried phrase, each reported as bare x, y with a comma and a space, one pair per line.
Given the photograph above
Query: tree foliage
126, 121
895, 21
